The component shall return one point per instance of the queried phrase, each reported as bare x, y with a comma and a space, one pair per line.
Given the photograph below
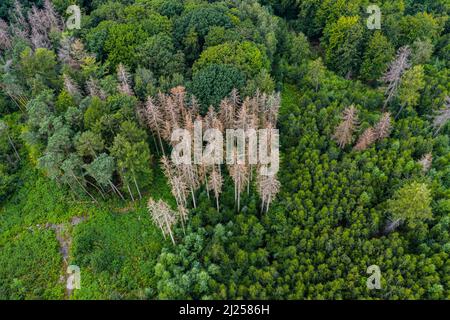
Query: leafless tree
179, 96
239, 174
383, 127
154, 119
64, 51
71, 86
93, 88
273, 108
172, 114
163, 216
442, 116
235, 98
426, 161
366, 139
215, 184
5, 39
227, 113
190, 177
268, 188
124, 80
393, 75
20, 26
344, 131
42, 22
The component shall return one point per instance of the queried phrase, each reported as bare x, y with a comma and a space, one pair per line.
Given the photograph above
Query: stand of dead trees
167, 112
344, 131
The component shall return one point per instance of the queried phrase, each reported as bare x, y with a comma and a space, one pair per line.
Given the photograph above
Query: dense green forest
86, 116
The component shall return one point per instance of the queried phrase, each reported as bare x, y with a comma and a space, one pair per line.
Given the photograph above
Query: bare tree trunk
206, 184
114, 188
392, 226
182, 225
169, 229
268, 204
249, 180
100, 191
401, 108
235, 193
193, 197
156, 144
137, 187
239, 199
129, 190
217, 203
85, 190
160, 142
13, 146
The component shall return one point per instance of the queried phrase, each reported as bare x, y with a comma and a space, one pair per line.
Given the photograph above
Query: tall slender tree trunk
159, 138
129, 191
99, 191
399, 111
85, 190
268, 204
169, 229
250, 179
206, 184
13, 146
137, 187
117, 191
239, 199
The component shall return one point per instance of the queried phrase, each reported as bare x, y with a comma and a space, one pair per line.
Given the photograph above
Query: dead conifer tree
194, 106
269, 106
383, 127
71, 86
92, 87
179, 182
163, 216
42, 23
393, 75
239, 174
124, 78
20, 27
442, 116
154, 119
344, 131
235, 98
227, 113
248, 121
268, 188
190, 176
64, 51
5, 39
366, 139
179, 96
426, 162
215, 184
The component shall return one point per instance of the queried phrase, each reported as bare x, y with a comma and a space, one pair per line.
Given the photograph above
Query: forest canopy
86, 122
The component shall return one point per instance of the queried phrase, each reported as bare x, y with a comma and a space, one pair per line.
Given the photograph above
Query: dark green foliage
117, 253
159, 56
212, 83
30, 266
193, 25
